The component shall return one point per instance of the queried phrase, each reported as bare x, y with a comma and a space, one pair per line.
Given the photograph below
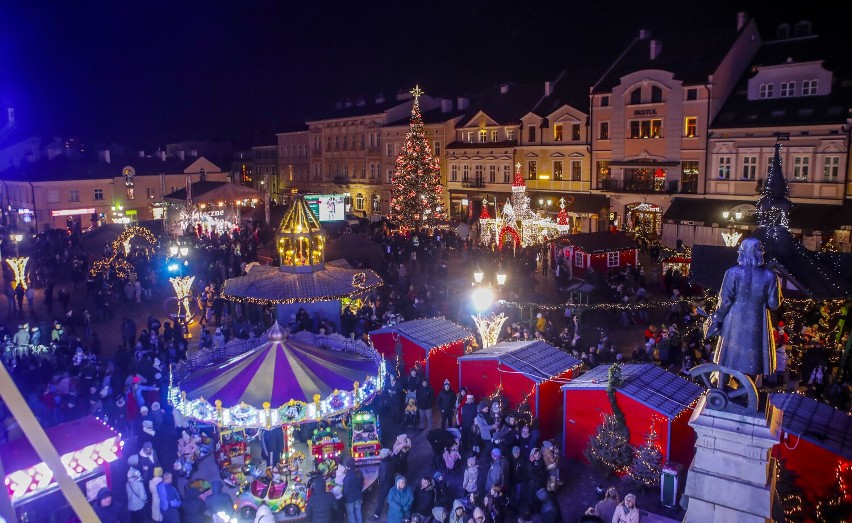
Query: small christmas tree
647, 462
610, 447
416, 192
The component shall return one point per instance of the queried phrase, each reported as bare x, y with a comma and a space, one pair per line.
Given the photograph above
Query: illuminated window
602, 169
831, 168
690, 126
603, 131
576, 171
99, 194
613, 259
532, 170
766, 91
359, 201
809, 87
749, 167
645, 128
788, 89
557, 132
801, 168
483, 136
557, 169
494, 135
510, 134
724, 167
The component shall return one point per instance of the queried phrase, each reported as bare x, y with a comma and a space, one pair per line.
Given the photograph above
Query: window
377, 203
53, 196
345, 142
692, 94
603, 131
337, 142
507, 173
801, 168
636, 96
578, 258
613, 259
437, 148
363, 171
483, 135
645, 128
328, 144
532, 170
575, 132
389, 176
492, 173
809, 87
346, 170
389, 150
531, 134
454, 172
359, 201
465, 172
788, 89
557, 169
149, 192
576, 171
74, 195
689, 177
656, 95
690, 126
831, 168
470, 137
99, 194
766, 90
602, 169
604, 101
749, 167
510, 134
724, 167
557, 132
362, 142
477, 172
494, 135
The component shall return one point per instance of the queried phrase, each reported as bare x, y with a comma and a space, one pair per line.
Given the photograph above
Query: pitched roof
650, 385
535, 359
590, 242
505, 107
64, 168
428, 333
213, 192
816, 422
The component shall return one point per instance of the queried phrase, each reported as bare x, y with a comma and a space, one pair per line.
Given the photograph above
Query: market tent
214, 192
277, 371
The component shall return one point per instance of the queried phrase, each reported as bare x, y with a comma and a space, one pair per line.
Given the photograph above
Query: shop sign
72, 212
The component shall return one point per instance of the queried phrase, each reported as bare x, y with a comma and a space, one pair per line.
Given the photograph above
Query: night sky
146, 73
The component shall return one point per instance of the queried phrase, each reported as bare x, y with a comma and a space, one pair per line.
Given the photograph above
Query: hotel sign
644, 112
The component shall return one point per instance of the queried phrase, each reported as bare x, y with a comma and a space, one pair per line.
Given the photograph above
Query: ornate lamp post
732, 237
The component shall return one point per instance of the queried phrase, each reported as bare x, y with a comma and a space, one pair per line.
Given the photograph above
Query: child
471, 475
411, 413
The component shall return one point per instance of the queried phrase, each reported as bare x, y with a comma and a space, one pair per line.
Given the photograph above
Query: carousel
266, 389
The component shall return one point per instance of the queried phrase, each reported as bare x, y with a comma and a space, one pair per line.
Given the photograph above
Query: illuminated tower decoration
300, 239
520, 200
773, 207
562, 223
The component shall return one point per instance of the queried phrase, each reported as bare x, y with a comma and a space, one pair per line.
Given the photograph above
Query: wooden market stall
525, 372
433, 343
599, 251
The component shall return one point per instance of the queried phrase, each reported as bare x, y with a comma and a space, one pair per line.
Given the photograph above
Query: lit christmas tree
647, 462
416, 183
610, 447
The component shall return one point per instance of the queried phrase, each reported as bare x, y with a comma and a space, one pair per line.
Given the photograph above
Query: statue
746, 347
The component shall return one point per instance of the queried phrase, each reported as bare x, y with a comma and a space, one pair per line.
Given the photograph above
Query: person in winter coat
482, 426
626, 511
353, 484
425, 397
457, 515
137, 497
387, 472
467, 415
424, 497
193, 507
219, 502
478, 516
605, 508
400, 453
108, 509
534, 476
170, 501
550, 512
498, 470
400, 500
264, 514
156, 515
321, 505
447, 405
550, 455
471, 476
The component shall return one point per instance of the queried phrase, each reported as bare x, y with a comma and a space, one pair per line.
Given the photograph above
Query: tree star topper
417, 92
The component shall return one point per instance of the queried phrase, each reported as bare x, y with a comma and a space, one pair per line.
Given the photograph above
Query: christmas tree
416, 192
647, 462
610, 447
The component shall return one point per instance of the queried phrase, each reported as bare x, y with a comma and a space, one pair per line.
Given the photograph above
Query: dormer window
788, 89
809, 87
767, 91
656, 95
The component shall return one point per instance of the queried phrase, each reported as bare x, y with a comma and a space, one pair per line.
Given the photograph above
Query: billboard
327, 207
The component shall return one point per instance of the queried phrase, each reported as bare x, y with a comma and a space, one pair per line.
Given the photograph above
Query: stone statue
749, 291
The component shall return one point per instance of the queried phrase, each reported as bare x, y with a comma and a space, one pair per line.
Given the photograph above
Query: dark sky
149, 72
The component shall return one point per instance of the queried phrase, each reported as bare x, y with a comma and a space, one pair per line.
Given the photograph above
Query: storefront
644, 218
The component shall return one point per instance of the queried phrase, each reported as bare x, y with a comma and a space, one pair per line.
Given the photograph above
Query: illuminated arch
508, 229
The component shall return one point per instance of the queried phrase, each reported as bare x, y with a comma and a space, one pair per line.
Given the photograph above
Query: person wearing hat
108, 509
467, 416
321, 506
156, 515
387, 470
424, 497
148, 460
447, 404
400, 499
498, 470
137, 496
626, 511
353, 484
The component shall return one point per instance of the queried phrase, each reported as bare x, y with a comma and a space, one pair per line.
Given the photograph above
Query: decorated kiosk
277, 382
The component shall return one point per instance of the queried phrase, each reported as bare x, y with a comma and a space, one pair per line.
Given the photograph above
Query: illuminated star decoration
731, 239
489, 327
183, 289
19, 268
417, 92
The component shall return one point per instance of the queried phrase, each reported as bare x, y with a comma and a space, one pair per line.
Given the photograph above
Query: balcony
638, 186
341, 180
474, 184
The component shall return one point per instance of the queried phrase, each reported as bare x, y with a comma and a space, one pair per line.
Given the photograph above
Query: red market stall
525, 371
433, 343
649, 395
600, 251
815, 444
86, 447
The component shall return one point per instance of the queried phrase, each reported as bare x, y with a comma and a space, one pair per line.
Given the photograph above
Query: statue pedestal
732, 478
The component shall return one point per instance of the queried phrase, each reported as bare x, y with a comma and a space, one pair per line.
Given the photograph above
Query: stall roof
428, 333
804, 216
590, 242
67, 437
536, 359
816, 422
214, 192
650, 385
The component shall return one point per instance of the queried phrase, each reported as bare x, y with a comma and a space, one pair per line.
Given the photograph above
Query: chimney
463, 103
644, 34
105, 156
548, 89
504, 88
380, 99
742, 18
141, 154
446, 105
182, 155
10, 114
193, 153
656, 48
162, 155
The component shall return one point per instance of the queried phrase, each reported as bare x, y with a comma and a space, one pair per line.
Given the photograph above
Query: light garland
120, 249
19, 269
489, 327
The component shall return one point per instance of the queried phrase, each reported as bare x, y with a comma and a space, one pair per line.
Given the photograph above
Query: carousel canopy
280, 370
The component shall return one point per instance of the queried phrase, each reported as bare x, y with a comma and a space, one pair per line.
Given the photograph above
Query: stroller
411, 413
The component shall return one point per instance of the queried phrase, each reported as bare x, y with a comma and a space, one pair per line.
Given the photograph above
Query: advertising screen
327, 207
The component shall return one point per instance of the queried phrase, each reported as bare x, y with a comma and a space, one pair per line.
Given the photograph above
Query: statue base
732, 477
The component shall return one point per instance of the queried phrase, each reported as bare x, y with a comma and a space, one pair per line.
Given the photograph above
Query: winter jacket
114, 513
425, 397
484, 427
498, 473
446, 401
136, 495
264, 515
156, 515
454, 517
169, 497
387, 470
424, 500
193, 507
631, 516
550, 456
353, 484
320, 507
471, 476
399, 503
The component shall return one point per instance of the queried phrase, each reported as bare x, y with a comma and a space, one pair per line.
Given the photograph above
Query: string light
117, 262
19, 269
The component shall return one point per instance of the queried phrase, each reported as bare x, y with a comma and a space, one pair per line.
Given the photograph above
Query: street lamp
183, 290
732, 237
173, 250
501, 278
478, 275
487, 324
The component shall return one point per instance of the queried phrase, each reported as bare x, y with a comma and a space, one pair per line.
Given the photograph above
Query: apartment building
265, 170
294, 161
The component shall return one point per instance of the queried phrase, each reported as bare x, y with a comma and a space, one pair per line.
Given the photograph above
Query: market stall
524, 372
434, 344
648, 396
87, 446
205, 208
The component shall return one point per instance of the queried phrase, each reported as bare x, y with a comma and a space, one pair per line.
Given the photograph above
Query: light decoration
828, 510
120, 249
24, 483
183, 290
19, 270
732, 238
416, 191
300, 239
518, 221
489, 327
